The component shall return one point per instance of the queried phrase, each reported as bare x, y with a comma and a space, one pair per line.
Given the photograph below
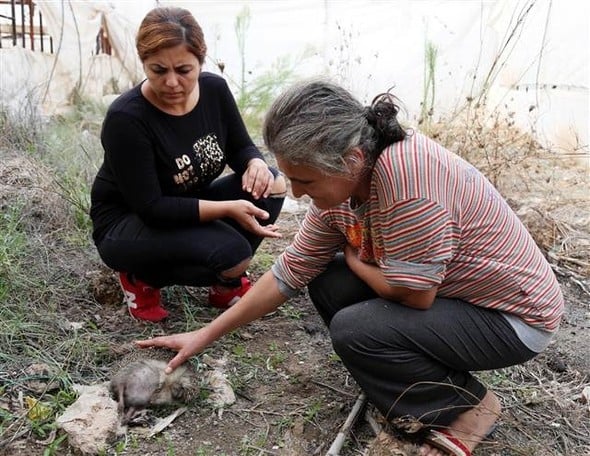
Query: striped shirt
432, 219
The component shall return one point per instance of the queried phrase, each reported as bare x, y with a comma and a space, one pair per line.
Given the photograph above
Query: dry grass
548, 191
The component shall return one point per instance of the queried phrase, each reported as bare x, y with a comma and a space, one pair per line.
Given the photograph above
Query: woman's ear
355, 161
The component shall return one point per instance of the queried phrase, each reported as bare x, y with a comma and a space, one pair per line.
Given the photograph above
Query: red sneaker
143, 301
226, 299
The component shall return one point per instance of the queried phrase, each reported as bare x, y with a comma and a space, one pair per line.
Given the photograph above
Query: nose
297, 190
171, 79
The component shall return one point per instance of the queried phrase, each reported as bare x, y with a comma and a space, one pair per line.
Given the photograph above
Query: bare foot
472, 426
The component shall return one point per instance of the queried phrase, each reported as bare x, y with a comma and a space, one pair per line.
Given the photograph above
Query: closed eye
160, 70
300, 181
183, 70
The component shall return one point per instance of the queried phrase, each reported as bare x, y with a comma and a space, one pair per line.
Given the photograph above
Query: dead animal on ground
143, 383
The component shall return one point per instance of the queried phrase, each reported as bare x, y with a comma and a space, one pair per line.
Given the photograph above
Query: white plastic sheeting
532, 55
52, 80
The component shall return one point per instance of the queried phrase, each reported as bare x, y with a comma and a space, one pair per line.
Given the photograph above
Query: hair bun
371, 115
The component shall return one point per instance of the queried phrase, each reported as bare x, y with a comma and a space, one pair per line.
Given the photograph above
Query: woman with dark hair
162, 214
416, 264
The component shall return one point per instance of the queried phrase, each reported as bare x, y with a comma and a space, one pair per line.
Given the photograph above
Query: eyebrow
178, 67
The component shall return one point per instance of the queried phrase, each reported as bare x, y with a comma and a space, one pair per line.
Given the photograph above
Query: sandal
445, 441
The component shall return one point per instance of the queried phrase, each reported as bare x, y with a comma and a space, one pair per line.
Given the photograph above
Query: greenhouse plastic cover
531, 56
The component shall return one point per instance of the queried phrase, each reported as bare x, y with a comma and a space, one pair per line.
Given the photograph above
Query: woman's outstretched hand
186, 344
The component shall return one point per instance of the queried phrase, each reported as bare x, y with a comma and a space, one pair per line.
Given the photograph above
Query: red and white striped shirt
432, 219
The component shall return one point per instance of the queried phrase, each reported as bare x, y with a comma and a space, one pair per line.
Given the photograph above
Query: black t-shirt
155, 163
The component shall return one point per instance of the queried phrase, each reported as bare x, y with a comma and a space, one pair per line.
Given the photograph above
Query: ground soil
293, 394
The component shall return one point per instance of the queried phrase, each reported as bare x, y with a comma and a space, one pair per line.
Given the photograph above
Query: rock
92, 422
557, 364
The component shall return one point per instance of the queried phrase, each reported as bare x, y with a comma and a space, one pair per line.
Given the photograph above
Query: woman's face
173, 75
326, 191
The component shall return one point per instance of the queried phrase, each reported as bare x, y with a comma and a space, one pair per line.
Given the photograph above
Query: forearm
373, 276
262, 299
213, 210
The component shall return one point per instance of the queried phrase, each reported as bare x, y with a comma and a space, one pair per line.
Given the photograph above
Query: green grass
262, 261
254, 95
12, 241
43, 221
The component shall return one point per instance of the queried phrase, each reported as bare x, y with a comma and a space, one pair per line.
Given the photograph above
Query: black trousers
194, 255
413, 364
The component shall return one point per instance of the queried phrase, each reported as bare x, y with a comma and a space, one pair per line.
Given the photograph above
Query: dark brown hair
167, 27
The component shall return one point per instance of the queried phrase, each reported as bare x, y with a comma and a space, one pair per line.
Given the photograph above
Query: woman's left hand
258, 179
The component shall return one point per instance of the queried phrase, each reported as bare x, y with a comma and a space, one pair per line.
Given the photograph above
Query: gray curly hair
317, 123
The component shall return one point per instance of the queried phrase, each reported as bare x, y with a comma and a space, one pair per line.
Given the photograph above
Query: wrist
213, 210
225, 209
255, 161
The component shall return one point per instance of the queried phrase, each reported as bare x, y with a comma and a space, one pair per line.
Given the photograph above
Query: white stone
91, 422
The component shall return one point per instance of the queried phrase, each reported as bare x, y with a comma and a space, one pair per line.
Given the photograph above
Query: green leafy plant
291, 311
276, 358
241, 26
262, 261
54, 448
428, 95
255, 96
41, 412
312, 411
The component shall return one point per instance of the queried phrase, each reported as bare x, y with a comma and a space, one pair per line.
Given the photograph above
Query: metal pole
22, 23
31, 26
13, 12
41, 31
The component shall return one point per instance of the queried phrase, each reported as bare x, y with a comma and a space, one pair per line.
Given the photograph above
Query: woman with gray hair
416, 264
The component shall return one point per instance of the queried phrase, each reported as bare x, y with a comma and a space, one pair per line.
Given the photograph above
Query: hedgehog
141, 382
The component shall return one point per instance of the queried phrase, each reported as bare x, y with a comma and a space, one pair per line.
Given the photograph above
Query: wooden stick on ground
375, 426
345, 429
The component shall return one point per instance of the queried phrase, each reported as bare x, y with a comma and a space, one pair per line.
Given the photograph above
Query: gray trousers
413, 364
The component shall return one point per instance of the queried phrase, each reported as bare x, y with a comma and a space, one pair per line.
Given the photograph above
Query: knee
346, 330
229, 256
237, 270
